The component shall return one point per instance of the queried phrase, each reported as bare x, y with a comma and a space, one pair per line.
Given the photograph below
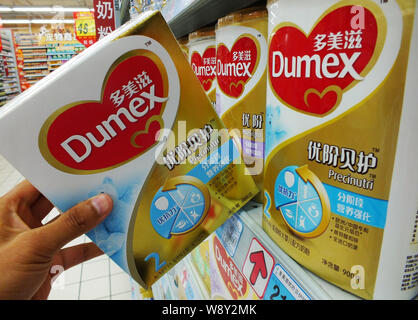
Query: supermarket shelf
11, 92
60, 53
199, 13
35, 68
32, 48
35, 60
8, 87
9, 81
34, 54
64, 59
181, 282
318, 288
185, 16
241, 236
35, 75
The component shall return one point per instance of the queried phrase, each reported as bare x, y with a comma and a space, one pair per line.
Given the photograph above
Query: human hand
29, 249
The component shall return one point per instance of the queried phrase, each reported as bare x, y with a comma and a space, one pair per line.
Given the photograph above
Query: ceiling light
31, 9
62, 9
37, 21
42, 21
44, 9
15, 21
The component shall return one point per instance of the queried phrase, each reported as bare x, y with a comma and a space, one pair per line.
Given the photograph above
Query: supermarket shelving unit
57, 55
185, 16
35, 60
9, 80
290, 278
40, 60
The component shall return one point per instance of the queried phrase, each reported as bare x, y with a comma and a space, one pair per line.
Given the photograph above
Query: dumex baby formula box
128, 117
202, 57
241, 66
341, 182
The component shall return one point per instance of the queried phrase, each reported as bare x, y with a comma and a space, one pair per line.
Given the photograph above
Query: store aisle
97, 279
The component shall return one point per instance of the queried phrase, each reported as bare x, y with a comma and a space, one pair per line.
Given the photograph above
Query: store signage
85, 28
57, 37
104, 15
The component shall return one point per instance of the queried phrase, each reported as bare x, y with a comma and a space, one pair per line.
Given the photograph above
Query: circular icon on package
179, 206
302, 201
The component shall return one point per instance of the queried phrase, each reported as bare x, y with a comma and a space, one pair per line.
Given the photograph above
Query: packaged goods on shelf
340, 168
199, 257
227, 281
9, 77
202, 58
183, 43
241, 83
182, 282
130, 128
246, 264
164, 288
187, 282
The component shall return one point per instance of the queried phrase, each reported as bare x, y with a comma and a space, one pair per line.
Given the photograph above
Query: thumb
75, 222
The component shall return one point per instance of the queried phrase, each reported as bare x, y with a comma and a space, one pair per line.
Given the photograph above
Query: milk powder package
183, 43
202, 57
241, 83
340, 170
117, 119
199, 257
227, 281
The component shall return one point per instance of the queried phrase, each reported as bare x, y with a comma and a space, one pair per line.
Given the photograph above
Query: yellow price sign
85, 27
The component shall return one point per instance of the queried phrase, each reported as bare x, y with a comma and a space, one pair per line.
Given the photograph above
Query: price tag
283, 287
85, 27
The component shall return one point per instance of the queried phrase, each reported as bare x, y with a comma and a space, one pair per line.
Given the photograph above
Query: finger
75, 255
52, 220
25, 192
73, 223
34, 215
41, 208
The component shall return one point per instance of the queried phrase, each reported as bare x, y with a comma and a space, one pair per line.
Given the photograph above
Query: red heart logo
205, 67
310, 73
90, 136
232, 277
235, 68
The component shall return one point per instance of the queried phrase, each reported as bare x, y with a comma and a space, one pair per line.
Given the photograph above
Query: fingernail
100, 203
